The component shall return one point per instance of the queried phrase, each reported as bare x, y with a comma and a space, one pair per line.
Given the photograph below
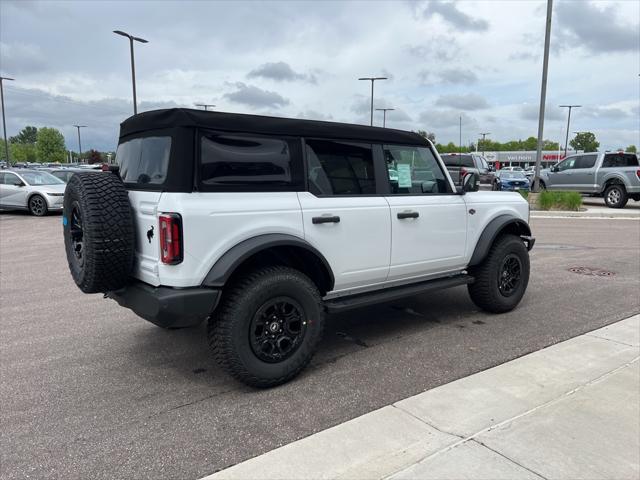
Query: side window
566, 164
620, 160
245, 162
340, 168
10, 179
586, 161
2, 177
414, 170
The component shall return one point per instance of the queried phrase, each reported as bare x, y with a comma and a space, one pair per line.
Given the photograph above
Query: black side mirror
18, 184
555, 168
470, 183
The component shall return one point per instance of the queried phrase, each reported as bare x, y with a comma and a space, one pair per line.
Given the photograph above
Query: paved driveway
88, 390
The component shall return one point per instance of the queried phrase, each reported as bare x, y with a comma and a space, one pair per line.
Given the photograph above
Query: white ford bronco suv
263, 225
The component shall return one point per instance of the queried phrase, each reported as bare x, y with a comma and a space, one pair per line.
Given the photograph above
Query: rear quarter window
457, 160
620, 160
144, 161
245, 162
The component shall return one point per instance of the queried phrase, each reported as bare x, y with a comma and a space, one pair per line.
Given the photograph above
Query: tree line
44, 145
583, 141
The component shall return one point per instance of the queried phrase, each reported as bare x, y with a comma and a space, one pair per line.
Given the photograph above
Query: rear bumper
165, 306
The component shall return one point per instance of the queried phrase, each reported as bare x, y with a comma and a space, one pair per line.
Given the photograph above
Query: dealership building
526, 158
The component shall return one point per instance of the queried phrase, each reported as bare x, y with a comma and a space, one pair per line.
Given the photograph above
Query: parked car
460, 165
509, 180
262, 224
33, 190
614, 176
530, 172
63, 174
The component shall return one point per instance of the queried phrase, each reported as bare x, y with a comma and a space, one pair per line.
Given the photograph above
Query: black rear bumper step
342, 304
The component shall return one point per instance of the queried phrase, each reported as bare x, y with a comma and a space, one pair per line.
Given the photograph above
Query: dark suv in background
461, 164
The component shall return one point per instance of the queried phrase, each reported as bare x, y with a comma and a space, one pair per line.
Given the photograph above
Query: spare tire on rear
98, 231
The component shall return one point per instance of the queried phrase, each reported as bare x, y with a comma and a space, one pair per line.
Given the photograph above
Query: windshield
40, 178
451, 160
512, 175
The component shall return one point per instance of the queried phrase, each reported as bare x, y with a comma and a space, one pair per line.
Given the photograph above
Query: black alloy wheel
77, 234
509, 275
277, 329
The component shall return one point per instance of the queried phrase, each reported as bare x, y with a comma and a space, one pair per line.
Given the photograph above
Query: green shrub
559, 200
524, 193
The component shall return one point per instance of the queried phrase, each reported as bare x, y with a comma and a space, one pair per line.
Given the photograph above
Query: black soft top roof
236, 122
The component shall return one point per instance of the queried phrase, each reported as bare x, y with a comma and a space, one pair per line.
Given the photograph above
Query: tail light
463, 172
170, 238
638, 174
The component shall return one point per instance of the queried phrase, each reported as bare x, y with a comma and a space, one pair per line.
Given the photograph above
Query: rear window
457, 160
620, 160
144, 160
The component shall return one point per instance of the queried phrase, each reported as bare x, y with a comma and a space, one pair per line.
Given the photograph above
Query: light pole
568, 122
4, 121
543, 95
133, 66
484, 134
79, 142
205, 105
373, 79
384, 115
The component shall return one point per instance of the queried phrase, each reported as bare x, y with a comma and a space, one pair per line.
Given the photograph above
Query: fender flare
613, 179
224, 267
491, 232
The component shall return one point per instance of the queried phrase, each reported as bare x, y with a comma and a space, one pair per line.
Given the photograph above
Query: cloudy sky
481, 60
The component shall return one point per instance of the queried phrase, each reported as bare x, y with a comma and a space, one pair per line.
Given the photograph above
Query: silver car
33, 190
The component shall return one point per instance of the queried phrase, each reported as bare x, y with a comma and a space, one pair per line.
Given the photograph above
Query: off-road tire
38, 206
230, 328
615, 196
107, 241
485, 291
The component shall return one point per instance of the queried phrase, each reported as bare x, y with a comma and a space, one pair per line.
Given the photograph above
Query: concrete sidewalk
568, 411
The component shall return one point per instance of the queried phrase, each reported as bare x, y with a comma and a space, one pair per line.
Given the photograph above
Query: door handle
403, 215
332, 219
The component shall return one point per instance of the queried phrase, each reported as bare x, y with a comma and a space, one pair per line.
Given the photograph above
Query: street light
133, 67
205, 105
4, 121
384, 115
373, 79
568, 122
79, 142
484, 135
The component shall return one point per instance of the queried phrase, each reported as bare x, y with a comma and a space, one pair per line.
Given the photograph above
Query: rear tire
98, 231
268, 326
502, 278
38, 206
615, 196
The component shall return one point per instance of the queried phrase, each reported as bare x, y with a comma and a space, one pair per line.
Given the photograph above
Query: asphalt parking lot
89, 390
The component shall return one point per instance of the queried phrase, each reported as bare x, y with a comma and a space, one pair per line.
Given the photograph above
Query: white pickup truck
615, 176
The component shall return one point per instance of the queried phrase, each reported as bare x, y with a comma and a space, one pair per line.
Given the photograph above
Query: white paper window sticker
404, 175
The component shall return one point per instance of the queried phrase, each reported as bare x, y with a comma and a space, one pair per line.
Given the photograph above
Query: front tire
268, 326
615, 196
502, 278
38, 206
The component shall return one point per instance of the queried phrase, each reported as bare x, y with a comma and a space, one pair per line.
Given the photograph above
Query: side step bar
342, 304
